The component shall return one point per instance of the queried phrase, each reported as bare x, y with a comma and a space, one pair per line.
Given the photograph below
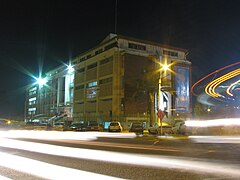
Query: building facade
119, 79
53, 98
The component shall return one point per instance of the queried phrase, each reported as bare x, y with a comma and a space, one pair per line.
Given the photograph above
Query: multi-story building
52, 98
109, 81
119, 79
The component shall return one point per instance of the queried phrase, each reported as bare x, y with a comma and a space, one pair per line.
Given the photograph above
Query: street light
41, 81
164, 68
70, 69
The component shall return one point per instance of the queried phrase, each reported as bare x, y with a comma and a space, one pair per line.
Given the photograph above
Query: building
119, 79
52, 96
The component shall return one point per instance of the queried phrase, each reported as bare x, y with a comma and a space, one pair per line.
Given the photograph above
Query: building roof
152, 43
113, 36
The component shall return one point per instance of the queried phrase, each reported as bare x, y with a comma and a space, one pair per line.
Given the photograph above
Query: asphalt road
68, 155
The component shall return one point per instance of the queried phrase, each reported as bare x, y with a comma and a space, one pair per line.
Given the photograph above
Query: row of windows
143, 48
94, 101
81, 70
115, 44
170, 53
92, 92
31, 109
104, 81
98, 51
137, 46
32, 103
32, 93
94, 83
104, 61
92, 66
79, 87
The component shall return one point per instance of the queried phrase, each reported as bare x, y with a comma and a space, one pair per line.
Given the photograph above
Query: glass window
92, 84
92, 66
137, 46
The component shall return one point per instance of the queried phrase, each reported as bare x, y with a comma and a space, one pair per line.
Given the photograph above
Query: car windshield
137, 125
76, 124
93, 124
114, 124
59, 123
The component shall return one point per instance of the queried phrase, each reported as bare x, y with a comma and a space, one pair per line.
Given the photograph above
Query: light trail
213, 123
4, 178
81, 138
215, 72
230, 87
216, 139
154, 161
210, 88
46, 170
54, 135
220, 80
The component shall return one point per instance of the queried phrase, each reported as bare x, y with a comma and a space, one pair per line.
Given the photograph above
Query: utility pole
115, 28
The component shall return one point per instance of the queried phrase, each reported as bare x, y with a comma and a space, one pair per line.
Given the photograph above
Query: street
64, 155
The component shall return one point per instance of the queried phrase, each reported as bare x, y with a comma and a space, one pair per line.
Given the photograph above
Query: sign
182, 85
160, 114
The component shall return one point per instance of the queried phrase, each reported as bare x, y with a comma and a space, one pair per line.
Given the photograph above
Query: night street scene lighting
115, 89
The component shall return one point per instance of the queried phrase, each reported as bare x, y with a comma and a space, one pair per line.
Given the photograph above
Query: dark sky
49, 32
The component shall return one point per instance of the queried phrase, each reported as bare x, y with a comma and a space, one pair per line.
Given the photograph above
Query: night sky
45, 34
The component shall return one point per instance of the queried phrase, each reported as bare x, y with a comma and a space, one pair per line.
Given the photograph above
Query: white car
115, 127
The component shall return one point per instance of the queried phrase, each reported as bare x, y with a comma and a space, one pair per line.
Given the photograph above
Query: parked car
179, 127
136, 127
94, 126
42, 126
58, 126
78, 127
115, 127
155, 129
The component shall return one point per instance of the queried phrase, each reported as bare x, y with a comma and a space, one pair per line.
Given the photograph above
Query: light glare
41, 81
70, 68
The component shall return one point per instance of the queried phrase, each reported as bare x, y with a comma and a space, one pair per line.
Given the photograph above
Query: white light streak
88, 136
216, 139
188, 164
213, 123
4, 178
46, 170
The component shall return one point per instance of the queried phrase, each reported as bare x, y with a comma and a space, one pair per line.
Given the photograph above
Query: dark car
78, 127
136, 127
94, 126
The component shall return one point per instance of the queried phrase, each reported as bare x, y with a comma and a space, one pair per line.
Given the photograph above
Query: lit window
92, 84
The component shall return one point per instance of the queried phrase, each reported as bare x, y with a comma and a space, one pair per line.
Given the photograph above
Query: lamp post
41, 82
164, 68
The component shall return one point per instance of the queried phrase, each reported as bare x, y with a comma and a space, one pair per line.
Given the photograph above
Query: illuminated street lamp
41, 81
164, 68
70, 69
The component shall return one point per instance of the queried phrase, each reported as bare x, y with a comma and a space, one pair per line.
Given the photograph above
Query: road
74, 155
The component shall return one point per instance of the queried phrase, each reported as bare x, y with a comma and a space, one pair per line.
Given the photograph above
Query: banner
182, 83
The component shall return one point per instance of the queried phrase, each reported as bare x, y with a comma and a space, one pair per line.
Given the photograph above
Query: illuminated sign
182, 85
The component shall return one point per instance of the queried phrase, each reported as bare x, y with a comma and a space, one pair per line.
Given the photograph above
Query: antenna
116, 2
